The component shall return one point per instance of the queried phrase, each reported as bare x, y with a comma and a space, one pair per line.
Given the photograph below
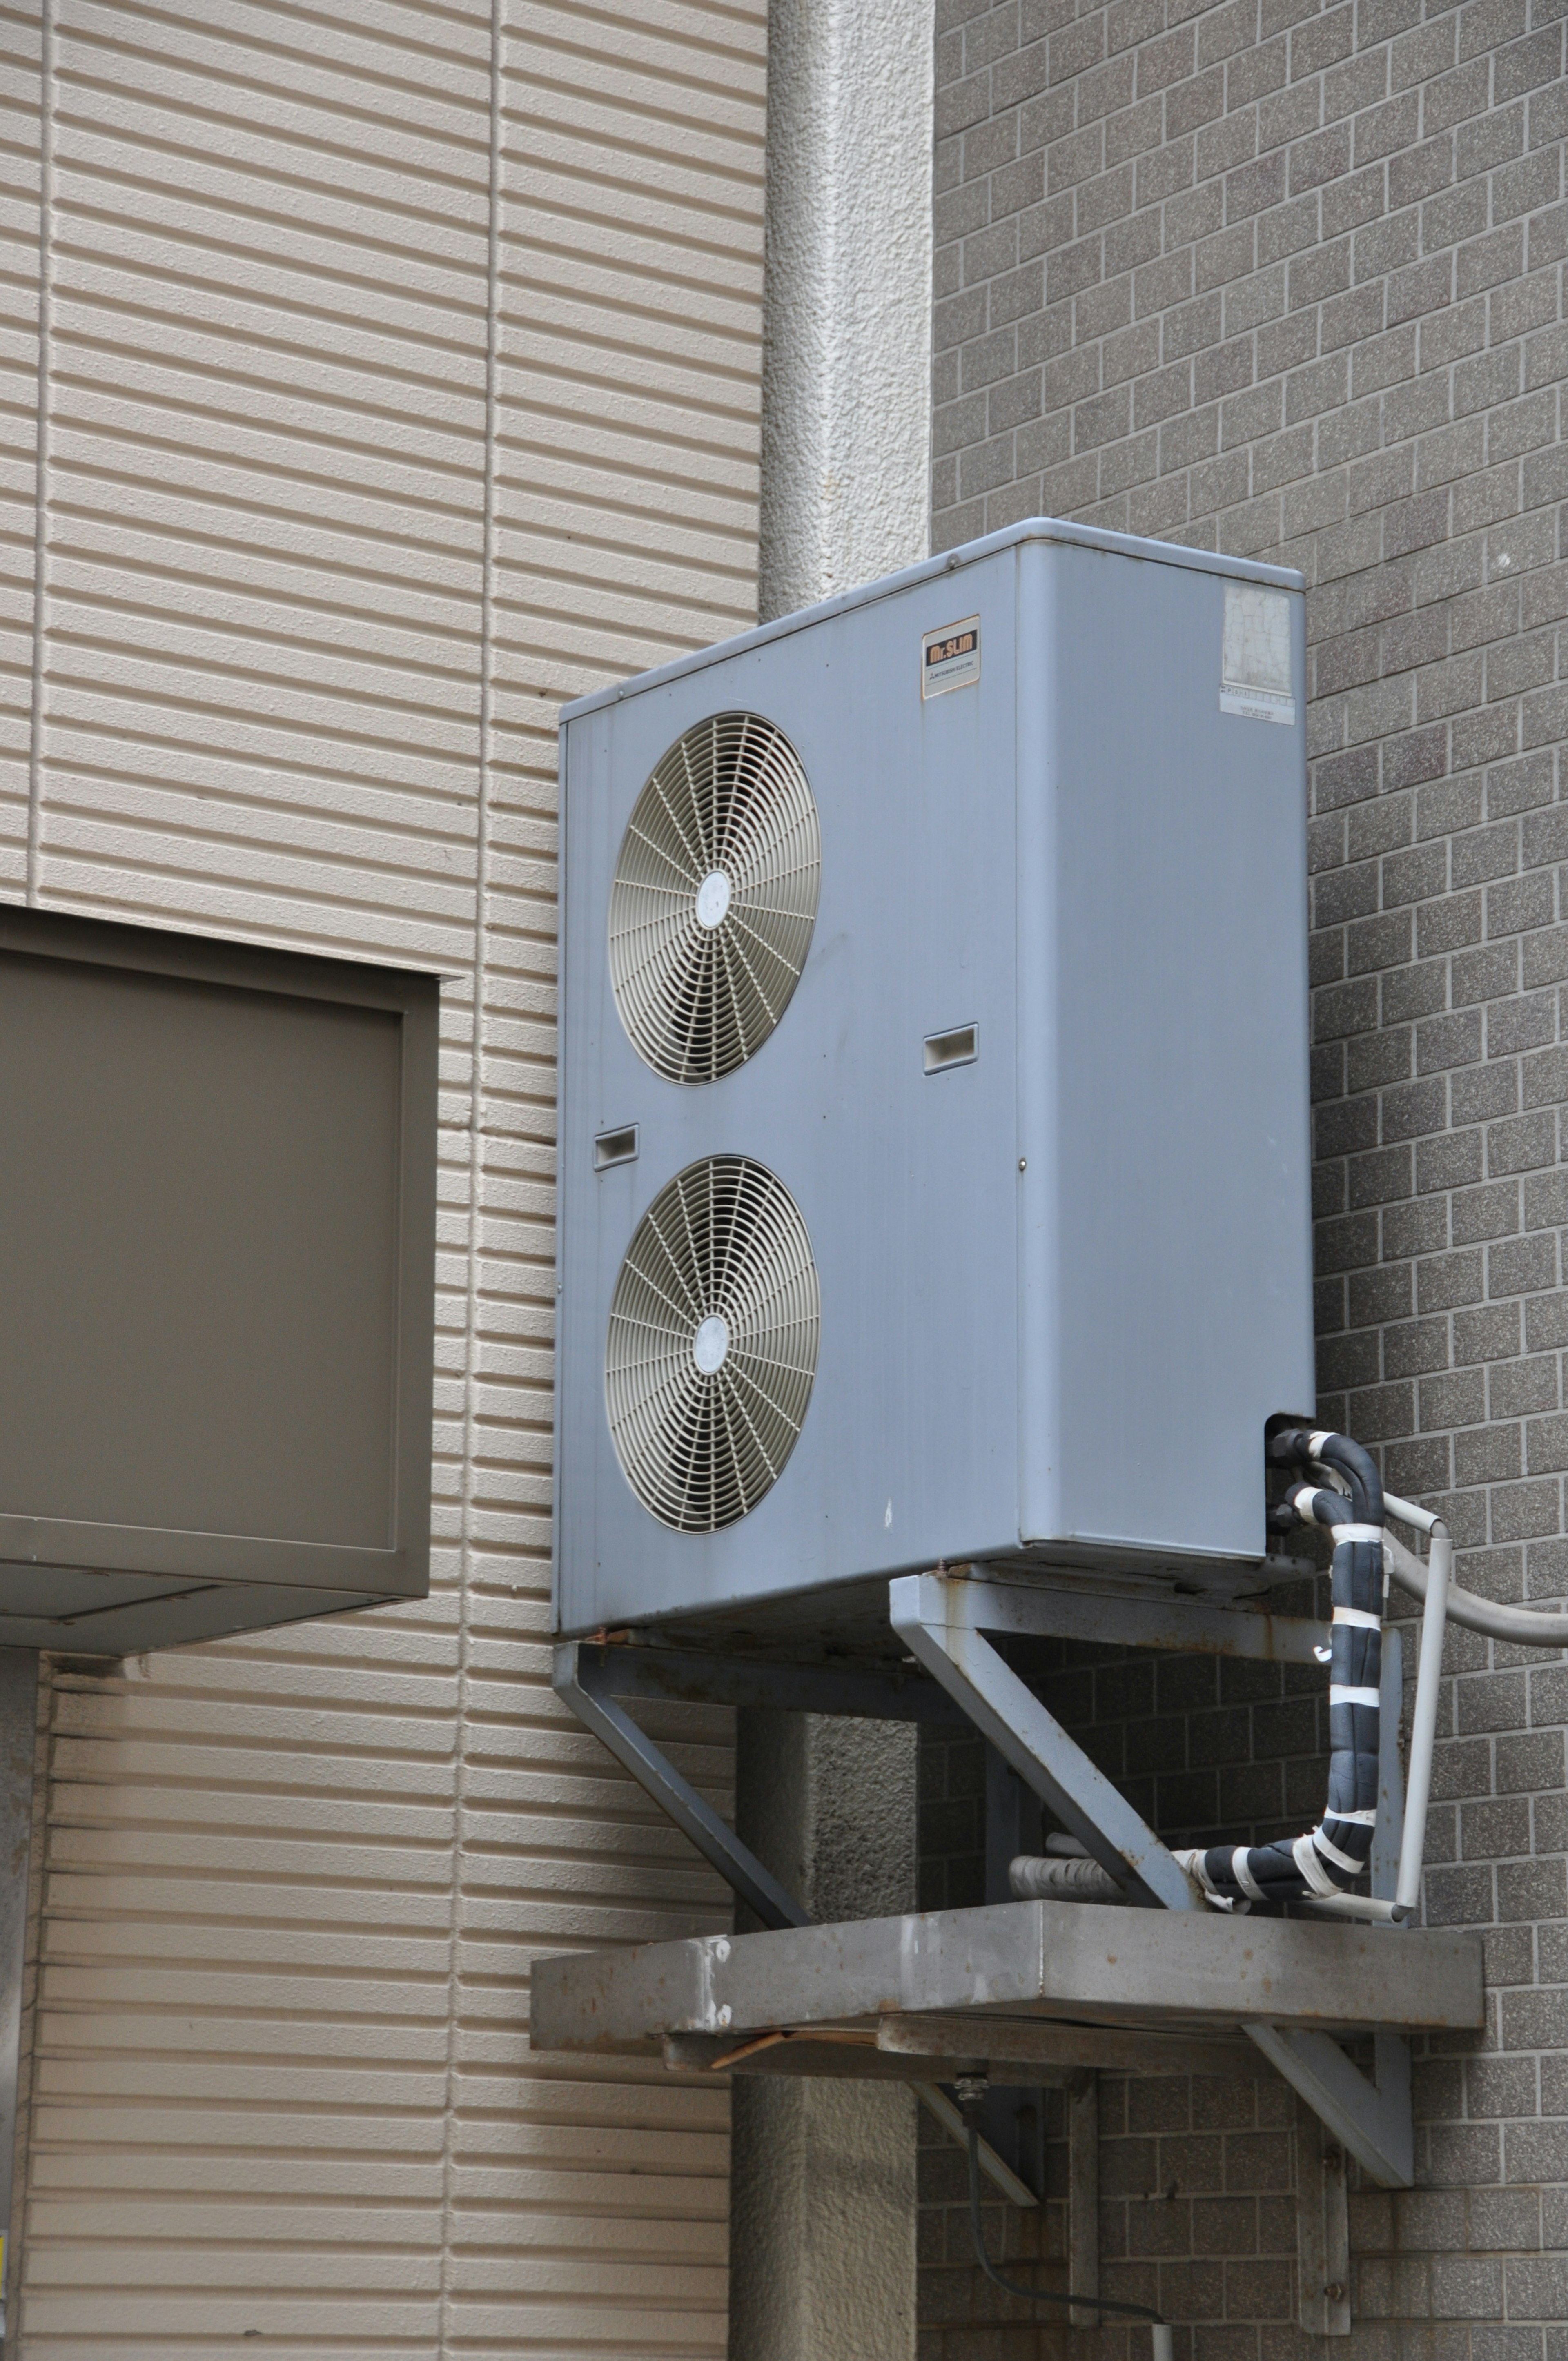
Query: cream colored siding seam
23, 163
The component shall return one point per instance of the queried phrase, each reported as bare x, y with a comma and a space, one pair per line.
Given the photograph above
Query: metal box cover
1063, 1286
217, 1169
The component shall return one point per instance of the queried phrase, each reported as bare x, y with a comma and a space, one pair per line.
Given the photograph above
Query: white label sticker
950, 658
1254, 667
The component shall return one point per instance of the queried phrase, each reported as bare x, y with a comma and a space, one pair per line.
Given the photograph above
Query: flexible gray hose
1528, 1627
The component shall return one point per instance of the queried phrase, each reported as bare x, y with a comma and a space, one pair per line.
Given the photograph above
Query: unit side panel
906, 1180
1182, 1239
587, 855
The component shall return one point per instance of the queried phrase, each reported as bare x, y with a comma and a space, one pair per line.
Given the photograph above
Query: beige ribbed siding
401, 379
19, 125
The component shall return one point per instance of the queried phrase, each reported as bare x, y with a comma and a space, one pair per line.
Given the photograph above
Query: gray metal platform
1186, 1977
1092, 1989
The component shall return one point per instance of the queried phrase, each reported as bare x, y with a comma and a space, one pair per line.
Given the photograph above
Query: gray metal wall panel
20, 166
1180, 1059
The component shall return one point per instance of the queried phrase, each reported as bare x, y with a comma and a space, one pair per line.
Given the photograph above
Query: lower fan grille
712, 1344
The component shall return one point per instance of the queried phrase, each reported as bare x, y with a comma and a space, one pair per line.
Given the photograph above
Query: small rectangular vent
615, 1147
960, 1048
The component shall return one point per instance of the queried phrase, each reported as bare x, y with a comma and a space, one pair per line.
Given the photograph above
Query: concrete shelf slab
1186, 1975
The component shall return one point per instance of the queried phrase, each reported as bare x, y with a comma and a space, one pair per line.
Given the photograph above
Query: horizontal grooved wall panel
401, 378
20, 125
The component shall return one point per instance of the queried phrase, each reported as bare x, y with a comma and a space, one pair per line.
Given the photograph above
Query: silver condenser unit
933, 1154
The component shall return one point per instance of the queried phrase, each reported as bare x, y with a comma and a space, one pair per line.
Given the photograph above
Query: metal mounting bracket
945, 1620
592, 1680
1083, 2195
1322, 2229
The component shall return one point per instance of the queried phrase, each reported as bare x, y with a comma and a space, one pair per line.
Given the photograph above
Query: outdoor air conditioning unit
933, 1154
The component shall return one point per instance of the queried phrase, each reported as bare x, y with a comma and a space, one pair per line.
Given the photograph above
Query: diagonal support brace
583, 1681
943, 1619
1372, 2120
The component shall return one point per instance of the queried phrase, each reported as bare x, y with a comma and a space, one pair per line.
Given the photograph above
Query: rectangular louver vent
960, 1048
615, 1147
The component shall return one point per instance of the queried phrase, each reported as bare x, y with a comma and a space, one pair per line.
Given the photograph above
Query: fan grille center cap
710, 1344
713, 899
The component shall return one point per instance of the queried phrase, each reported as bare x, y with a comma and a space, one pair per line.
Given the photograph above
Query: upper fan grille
712, 1344
715, 897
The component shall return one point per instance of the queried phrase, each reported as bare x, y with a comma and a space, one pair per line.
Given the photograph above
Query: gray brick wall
962, 2317
1271, 277
1197, 2210
1287, 281
1197, 2175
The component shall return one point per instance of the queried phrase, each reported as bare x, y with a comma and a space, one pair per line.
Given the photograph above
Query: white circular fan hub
713, 900
710, 1345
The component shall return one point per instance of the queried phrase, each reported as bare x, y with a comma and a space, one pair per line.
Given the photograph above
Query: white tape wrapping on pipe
1324, 1501
1303, 1852
1243, 1875
1332, 1853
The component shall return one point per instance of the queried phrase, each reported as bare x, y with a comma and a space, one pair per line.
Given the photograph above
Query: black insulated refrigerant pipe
1329, 1859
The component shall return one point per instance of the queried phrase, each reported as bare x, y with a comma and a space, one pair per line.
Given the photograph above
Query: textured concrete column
823, 2197
847, 302
822, 2190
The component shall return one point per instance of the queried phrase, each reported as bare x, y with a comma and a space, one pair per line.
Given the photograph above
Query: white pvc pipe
1524, 1626
1423, 1729
1444, 1602
1352, 1906
1160, 2341
1407, 1513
